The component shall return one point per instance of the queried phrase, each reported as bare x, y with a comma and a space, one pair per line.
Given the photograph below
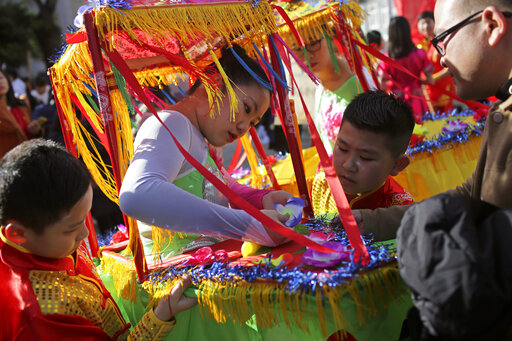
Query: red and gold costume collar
18, 256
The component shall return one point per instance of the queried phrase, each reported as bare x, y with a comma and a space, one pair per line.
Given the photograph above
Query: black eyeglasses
437, 41
311, 47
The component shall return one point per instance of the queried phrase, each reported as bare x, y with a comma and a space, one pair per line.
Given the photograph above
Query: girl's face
318, 54
253, 102
426, 27
4, 85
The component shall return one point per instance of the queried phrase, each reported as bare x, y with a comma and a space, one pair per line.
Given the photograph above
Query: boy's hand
175, 302
359, 220
280, 197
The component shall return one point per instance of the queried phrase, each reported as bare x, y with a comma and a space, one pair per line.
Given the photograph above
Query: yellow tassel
312, 26
321, 312
334, 298
123, 274
257, 176
233, 100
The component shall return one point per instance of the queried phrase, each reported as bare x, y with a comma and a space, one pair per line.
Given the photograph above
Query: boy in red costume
49, 287
370, 150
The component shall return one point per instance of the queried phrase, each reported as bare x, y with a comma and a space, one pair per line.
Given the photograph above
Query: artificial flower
205, 256
325, 260
293, 208
121, 234
455, 126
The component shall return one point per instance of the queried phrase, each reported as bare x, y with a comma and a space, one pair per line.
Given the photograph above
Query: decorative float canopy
160, 45
311, 18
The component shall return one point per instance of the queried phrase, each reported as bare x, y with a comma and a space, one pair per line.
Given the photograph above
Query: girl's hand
280, 218
175, 302
280, 197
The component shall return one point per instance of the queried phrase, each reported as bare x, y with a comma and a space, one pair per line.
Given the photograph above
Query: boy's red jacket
61, 299
387, 195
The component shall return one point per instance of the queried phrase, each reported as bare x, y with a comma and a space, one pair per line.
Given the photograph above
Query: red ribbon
130, 79
474, 104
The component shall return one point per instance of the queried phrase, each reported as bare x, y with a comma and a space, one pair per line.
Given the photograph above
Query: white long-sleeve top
149, 195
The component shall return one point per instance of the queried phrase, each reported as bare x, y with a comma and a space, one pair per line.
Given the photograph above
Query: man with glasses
474, 39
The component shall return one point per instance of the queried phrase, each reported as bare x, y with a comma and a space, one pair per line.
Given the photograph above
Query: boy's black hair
426, 15
374, 37
399, 38
382, 113
39, 183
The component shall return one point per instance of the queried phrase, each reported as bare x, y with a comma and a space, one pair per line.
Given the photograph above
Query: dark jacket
490, 182
455, 254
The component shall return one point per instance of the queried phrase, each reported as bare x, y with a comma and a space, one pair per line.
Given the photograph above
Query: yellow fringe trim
124, 276
230, 20
257, 176
161, 239
312, 26
271, 305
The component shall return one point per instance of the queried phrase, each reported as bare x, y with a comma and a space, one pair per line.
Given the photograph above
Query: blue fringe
248, 69
269, 68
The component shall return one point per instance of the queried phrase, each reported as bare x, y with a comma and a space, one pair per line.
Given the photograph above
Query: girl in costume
402, 50
440, 101
338, 86
15, 123
161, 188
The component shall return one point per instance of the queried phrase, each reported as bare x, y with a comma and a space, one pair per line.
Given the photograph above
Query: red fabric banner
411, 10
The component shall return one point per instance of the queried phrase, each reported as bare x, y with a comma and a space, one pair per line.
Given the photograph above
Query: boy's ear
400, 164
16, 232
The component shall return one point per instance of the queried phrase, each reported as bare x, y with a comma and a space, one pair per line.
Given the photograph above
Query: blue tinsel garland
295, 279
446, 139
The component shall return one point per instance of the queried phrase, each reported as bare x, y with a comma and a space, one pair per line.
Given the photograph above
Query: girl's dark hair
236, 72
399, 41
12, 101
39, 183
374, 37
426, 15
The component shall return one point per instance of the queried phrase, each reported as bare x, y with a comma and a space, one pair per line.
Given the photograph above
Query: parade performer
370, 147
338, 86
441, 102
315, 21
50, 289
402, 50
162, 189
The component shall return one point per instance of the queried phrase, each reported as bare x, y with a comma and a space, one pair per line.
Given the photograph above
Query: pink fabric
411, 10
252, 195
416, 62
